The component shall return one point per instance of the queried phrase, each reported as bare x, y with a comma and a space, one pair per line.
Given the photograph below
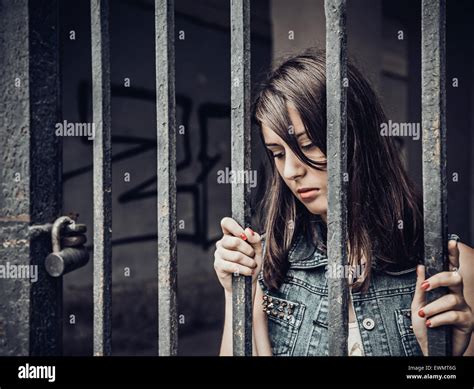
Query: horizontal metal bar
36, 231
166, 170
102, 177
433, 71
336, 73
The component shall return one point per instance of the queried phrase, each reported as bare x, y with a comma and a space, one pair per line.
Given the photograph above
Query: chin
315, 209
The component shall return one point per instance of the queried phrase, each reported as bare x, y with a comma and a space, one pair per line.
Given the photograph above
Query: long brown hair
381, 197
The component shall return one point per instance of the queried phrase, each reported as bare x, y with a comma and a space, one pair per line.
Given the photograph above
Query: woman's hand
239, 251
450, 309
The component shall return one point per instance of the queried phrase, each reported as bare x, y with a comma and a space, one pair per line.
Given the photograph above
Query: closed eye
307, 147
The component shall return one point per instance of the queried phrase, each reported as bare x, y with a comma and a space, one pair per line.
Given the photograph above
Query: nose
293, 168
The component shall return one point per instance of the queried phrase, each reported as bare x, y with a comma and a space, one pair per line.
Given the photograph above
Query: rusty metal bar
336, 93
241, 162
433, 70
166, 171
30, 180
102, 177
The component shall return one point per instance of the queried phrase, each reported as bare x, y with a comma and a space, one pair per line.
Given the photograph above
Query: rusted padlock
60, 262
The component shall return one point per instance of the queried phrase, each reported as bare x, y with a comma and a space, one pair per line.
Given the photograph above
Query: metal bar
434, 156
102, 177
166, 171
30, 180
241, 162
38, 230
336, 93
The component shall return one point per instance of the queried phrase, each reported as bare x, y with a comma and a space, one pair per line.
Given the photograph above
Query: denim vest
298, 311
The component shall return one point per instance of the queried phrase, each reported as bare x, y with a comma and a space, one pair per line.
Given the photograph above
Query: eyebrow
276, 144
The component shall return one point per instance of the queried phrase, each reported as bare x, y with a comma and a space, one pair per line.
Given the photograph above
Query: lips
308, 193
303, 190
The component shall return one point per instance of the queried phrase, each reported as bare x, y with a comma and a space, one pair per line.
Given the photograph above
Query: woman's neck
323, 216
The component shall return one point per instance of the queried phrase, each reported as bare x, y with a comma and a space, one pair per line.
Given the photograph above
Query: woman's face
308, 184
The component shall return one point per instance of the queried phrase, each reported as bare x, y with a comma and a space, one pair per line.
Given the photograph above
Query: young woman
288, 264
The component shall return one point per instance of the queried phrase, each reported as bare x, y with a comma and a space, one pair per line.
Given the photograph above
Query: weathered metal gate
434, 162
30, 315
30, 195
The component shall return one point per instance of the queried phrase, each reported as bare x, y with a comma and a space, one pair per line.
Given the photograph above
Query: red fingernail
425, 285
428, 323
421, 313
243, 236
253, 233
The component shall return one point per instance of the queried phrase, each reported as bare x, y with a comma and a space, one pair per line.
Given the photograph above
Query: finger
255, 240
237, 244
231, 227
236, 256
419, 297
451, 279
453, 254
224, 266
445, 303
458, 318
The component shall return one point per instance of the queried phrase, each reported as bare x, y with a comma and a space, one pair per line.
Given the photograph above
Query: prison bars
336, 95
241, 161
102, 178
166, 169
433, 57
434, 162
166, 177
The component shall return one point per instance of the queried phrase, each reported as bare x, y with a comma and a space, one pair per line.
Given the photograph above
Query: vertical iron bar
336, 75
102, 179
30, 174
166, 170
241, 162
434, 156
